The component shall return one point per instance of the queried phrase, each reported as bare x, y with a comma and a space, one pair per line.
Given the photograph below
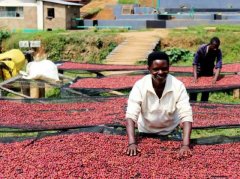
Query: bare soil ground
97, 4
107, 12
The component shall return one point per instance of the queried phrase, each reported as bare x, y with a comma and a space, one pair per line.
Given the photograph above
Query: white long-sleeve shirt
154, 115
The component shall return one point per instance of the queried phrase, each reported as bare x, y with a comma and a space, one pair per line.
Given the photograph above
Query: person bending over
207, 57
158, 103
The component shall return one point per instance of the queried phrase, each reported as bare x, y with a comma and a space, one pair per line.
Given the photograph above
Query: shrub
4, 35
55, 46
53, 93
178, 54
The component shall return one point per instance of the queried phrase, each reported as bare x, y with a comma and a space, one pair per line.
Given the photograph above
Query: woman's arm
132, 114
132, 145
185, 150
184, 111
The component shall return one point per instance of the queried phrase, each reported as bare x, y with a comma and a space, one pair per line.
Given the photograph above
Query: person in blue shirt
207, 57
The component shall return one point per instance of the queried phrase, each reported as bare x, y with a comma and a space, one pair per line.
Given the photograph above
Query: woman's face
159, 70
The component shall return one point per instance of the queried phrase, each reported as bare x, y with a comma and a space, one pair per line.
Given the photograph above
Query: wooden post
42, 90
34, 91
37, 90
236, 93
25, 88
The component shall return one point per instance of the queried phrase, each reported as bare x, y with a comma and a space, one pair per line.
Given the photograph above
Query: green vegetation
181, 44
10, 132
53, 93
223, 97
82, 46
79, 73
4, 34
178, 54
18, 134
177, 57
198, 133
94, 45
127, 1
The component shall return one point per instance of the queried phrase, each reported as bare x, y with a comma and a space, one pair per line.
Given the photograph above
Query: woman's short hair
157, 56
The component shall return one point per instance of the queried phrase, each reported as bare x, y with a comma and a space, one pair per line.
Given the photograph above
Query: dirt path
136, 47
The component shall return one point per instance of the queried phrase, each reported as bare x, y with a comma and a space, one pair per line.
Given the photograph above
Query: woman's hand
185, 151
132, 150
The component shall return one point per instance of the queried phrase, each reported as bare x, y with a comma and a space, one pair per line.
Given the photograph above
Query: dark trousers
204, 97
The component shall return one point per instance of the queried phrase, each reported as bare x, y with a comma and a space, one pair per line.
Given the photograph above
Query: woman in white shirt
158, 103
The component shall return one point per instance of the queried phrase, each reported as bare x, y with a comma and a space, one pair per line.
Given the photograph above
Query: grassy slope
192, 37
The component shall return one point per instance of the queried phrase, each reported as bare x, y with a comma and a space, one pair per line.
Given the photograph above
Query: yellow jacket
14, 65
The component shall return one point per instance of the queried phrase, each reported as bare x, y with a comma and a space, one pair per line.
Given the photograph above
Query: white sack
42, 70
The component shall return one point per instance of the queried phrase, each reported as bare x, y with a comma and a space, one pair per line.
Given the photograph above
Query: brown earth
97, 4
105, 14
103, 3
148, 3
106, 6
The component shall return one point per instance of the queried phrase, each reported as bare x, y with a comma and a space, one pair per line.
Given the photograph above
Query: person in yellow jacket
11, 62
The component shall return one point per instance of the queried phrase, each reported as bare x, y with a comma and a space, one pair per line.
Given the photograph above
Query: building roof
63, 2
